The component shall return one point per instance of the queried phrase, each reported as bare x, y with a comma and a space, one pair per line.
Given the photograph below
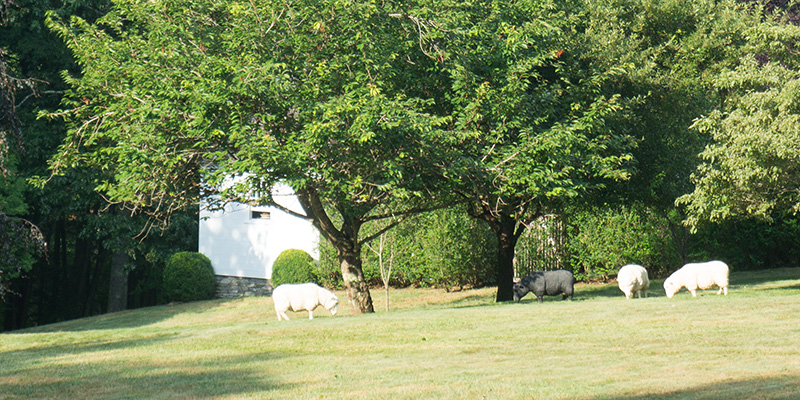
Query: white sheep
632, 279
303, 296
698, 276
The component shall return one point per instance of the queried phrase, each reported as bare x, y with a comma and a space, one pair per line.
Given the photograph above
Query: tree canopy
528, 101
174, 97
377, 110
752, 165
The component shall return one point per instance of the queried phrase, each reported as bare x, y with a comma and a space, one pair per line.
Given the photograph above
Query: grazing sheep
632, 279
303, 296
698, 276
551, 283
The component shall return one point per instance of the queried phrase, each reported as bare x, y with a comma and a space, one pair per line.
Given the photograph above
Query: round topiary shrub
189, 276
293, 266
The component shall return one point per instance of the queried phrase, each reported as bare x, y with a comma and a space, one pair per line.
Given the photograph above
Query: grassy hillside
431, 345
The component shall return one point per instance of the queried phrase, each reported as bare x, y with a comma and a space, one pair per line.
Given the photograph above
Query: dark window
259, 214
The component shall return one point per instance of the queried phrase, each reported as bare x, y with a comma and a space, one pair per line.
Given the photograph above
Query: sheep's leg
310, 314
694, 293
645, 293
723, 290
283, 314
540, 298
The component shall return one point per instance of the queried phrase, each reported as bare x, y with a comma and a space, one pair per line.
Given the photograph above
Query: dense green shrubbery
189, 276
443, 248
603, 240
294, 266
447, 248
748, 244
329, 272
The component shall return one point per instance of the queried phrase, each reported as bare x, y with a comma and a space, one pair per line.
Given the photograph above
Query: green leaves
751, 166
527, 98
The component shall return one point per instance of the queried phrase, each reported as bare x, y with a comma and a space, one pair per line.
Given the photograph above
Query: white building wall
241, 244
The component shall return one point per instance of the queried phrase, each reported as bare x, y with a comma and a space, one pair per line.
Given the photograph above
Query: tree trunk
345, 240
118, 282
82, 261
93, 307
354, 282
680, 236
507, 230
507, 236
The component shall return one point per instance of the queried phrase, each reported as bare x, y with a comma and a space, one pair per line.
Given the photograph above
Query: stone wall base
234, 286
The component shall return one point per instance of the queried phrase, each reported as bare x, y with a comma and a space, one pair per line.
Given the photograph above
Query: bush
448, 248
749, 244
603, 240
294, 266
443, 248
329, 272
189, 276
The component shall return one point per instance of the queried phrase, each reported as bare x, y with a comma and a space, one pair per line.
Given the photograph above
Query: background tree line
592, 111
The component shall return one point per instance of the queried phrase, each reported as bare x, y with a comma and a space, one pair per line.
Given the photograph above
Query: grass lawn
431, 344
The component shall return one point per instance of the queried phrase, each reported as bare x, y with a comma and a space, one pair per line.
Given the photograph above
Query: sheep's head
520, 291
671, 286
332, 304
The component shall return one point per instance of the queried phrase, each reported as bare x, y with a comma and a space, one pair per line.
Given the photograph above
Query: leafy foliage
20, 242
603, 240
748, 244
443, 248
528, 101
195, 91
189, 276
750, 168
293, 266
522, 107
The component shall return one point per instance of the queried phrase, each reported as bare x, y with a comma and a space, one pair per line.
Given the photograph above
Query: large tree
751, 168
70, 276
674, 50
528, 103
330, 97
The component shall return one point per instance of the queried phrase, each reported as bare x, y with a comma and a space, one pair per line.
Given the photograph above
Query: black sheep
551, 283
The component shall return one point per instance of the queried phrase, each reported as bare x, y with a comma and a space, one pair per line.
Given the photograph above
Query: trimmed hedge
293, 266
189, 276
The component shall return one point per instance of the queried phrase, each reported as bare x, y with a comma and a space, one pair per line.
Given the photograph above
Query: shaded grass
431, 345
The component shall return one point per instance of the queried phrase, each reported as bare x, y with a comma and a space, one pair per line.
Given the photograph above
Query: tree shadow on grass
469, 301
772, 279
237, 376
782, 279
125, 319
783, 387
137, 365
44, 349
586, 291
764, 276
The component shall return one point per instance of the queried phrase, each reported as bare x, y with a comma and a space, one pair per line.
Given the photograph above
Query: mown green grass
431, 344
